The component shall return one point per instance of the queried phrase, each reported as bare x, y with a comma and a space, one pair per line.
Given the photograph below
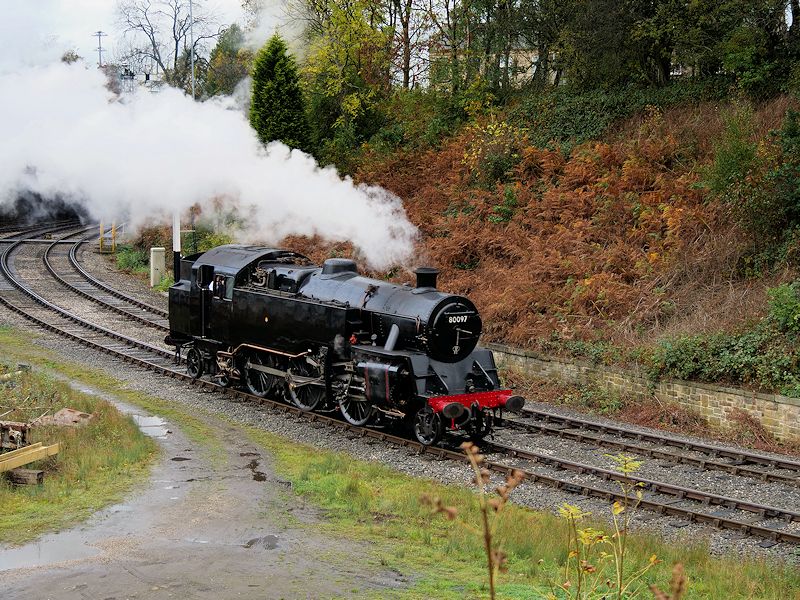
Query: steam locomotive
329, 339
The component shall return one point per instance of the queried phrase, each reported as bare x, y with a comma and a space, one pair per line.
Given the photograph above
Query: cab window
229, 288
223, 287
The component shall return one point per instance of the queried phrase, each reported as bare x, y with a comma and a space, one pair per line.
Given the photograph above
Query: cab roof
232, 258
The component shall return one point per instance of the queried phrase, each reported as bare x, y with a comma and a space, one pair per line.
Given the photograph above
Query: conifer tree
277, 109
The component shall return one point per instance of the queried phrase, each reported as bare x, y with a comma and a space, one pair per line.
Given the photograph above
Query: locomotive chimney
426, 277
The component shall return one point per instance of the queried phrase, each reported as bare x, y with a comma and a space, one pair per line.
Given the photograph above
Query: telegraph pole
191, 40
100, 35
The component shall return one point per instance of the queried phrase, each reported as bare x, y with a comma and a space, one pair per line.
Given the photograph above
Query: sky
39, 29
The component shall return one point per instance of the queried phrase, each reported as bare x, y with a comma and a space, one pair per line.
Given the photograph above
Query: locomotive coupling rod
263, 369
269, 350
295, 380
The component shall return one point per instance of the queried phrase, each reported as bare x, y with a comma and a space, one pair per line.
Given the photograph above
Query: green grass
377, 504
80, 480
164, 285
97, 463
18, 348
132, 260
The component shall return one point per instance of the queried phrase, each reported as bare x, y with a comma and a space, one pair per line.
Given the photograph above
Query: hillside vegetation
617, 180
664, 242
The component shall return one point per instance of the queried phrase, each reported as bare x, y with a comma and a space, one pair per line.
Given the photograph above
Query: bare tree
411, 38
159, 30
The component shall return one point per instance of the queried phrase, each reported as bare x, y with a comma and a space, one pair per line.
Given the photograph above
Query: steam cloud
66, 135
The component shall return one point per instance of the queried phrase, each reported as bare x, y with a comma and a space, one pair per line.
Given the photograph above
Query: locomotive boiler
326, 338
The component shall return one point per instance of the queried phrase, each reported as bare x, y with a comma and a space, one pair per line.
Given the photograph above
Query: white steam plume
65, 134
277, 16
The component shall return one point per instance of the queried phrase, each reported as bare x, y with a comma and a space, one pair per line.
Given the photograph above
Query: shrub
493, 151
734, 154
764, 356
761, 185
784, 307
131, 260
503, 212
565, 117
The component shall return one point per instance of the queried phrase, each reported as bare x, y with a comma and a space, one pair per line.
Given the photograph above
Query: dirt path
206, 526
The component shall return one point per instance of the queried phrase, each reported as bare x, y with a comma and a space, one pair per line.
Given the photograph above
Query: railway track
692, 505
663, 447
81, 282
21, 299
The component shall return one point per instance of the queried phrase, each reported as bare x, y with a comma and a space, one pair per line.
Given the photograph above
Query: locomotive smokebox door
379, 381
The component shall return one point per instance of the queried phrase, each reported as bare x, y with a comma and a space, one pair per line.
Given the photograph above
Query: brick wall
780, 415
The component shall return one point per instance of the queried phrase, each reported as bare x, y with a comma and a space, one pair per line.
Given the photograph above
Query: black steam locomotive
329, 339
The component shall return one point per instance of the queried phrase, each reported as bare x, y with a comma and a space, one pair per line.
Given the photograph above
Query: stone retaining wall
780, 415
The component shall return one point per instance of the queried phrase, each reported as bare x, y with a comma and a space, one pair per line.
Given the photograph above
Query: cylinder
176, 246
426, 277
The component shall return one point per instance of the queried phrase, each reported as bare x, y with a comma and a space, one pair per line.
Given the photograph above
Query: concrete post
157, 265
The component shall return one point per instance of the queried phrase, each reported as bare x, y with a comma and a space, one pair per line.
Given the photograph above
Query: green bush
764, 356
784, 307
503, 212
761, 184
164, 285
132, 260
565, 117
735, 154
606, 402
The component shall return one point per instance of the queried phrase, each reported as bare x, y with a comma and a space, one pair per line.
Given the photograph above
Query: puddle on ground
153, 426
249, 454
150, 425
253, 466
67, 546
179, 458
268, 542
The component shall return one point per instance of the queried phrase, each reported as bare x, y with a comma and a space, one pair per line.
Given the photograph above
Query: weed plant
764, 356
132, 260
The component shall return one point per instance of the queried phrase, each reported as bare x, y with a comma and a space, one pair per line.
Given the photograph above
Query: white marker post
176, 246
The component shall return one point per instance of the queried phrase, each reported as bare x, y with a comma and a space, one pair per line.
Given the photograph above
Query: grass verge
97, 463
377, 504
81, 480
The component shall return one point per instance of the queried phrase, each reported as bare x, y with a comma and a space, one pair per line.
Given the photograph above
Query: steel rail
660, 487
46, 258
22, 229
73, 259
8, 274
580, 435
741, 456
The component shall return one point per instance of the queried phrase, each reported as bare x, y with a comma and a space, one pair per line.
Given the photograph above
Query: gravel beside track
773, 494
779, 495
